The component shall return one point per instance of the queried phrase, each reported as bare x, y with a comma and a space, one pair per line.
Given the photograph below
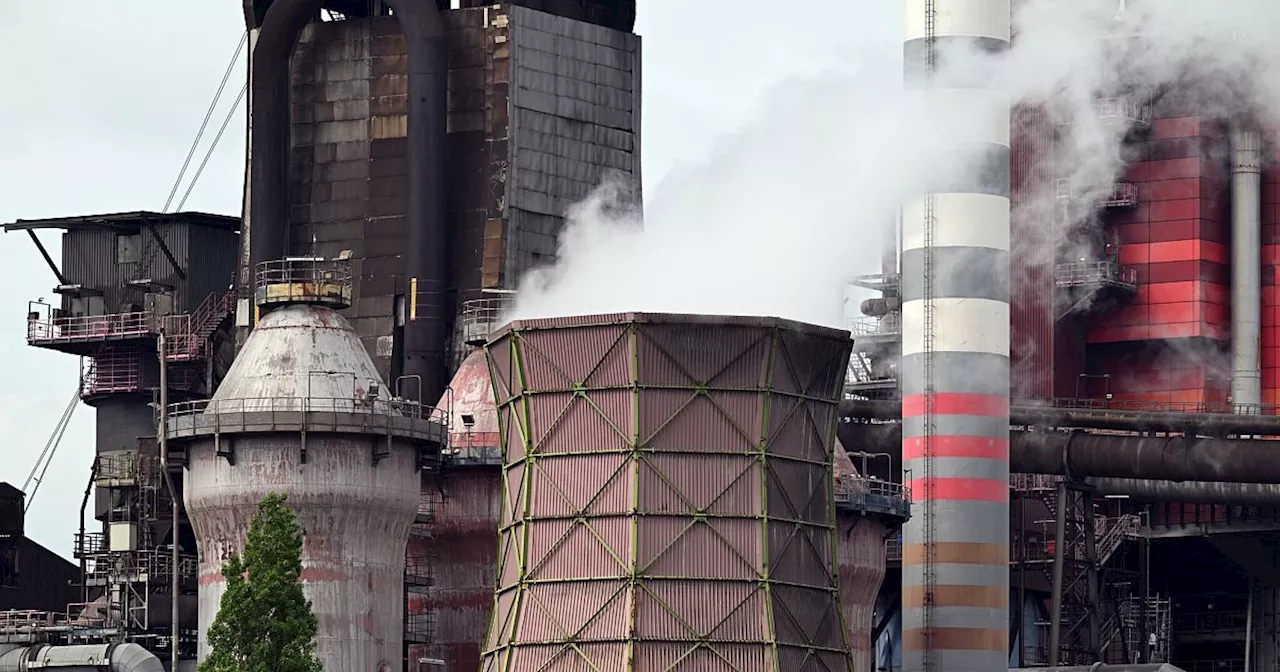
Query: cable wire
204, 125
50, 449
213, 146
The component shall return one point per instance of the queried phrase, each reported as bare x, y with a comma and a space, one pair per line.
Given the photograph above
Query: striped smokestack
955, 365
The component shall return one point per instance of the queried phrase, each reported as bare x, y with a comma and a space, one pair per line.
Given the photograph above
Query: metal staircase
187, 336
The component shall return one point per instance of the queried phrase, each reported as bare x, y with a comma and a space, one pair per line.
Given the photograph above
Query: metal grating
667, 494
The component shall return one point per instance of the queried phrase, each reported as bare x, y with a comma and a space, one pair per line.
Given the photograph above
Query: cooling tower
667, 495
955, 356
302, 412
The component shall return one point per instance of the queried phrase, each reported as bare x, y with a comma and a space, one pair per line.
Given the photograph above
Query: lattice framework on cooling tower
680, 499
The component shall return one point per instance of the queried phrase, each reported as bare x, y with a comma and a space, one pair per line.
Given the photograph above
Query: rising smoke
783, 214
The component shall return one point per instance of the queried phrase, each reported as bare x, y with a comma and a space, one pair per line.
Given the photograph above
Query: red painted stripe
957, 446
971, 489
956, 403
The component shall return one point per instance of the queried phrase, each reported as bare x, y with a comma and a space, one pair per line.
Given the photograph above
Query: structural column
1246, 265
955, 364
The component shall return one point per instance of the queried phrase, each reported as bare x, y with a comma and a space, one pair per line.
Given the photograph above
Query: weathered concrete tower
303, 412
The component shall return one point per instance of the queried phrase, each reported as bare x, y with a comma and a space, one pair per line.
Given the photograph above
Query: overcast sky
104, 98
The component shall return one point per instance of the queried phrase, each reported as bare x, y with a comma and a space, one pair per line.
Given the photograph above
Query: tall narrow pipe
269, 100
955, 242
426, 333
1246, 264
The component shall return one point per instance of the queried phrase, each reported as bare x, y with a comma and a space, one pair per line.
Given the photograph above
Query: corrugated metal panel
44, 580
212, 268
1032, 306
664, 449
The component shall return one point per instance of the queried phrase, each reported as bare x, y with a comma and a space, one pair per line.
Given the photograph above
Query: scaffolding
126, 566
419, 574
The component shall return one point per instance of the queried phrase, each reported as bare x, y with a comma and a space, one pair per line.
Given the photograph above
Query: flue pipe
1031, 413
955, 360
427, 257
1078, 453
1246, 264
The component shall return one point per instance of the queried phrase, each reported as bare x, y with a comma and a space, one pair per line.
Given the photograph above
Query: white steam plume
787, 211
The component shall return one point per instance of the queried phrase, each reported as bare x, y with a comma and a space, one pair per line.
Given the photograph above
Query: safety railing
376, 406
304, 279
1123, 195
132, 467
873, 495
418, 569
1124, 109
53, 330
113, 371
187, 336
1151, 406
1081, 273
1210, 622
419, 628
1033, 482
28, 621
427, 503
893, 549
480, 317
88, 544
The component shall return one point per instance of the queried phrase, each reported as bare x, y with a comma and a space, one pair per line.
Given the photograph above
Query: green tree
264, 622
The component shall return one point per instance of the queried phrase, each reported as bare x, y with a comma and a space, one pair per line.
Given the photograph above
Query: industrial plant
1011, 458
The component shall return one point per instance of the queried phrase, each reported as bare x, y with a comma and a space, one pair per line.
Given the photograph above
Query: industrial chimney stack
955, 363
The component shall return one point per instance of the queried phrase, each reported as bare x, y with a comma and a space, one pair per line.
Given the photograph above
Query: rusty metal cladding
667, 500
860, 553
463, 559
302, 412
463, 553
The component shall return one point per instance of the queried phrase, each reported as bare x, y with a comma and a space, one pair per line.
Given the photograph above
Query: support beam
47, 258
173, 261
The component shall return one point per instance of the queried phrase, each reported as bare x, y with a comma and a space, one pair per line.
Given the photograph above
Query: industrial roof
682, 319
128, 222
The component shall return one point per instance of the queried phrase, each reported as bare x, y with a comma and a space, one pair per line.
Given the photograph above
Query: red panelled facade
1270, 288
1031, 308
1176, 237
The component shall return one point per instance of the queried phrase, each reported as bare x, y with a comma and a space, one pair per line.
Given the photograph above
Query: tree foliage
265, 623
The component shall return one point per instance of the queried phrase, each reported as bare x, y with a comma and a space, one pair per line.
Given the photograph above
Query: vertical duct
955, 364
269, 100
426, 332
1246, 265
427, 209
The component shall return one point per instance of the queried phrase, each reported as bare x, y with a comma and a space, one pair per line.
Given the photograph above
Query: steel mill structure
303, 412
1074, 384
667, 494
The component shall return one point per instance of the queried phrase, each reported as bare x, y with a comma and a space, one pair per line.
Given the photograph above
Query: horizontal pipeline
1217, 424
1080, 454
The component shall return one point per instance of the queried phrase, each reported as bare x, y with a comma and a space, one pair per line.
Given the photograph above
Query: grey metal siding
575, 110
44, 580
211, 263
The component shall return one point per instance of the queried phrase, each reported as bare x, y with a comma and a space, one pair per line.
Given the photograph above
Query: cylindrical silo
955, 353
302, 412
667, 497
867, 511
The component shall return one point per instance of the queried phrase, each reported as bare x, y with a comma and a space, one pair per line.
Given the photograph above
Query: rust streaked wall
667, 494
541, 108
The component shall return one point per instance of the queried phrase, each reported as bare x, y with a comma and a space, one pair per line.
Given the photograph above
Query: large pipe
955, 361
1190, 492
1028, 413
1246, 265
427, 259
269, 100
112, 657
1168, 458
426, 209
